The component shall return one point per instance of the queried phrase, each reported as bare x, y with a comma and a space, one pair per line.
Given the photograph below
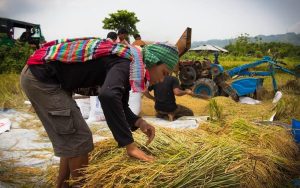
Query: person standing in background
113, 36
138, 41
122, 36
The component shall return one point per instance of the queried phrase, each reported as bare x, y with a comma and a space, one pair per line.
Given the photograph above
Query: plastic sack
96, 112
135, 100
248, 100
277, 97
84, 106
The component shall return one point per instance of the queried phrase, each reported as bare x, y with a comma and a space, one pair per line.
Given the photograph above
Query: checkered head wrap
163, 53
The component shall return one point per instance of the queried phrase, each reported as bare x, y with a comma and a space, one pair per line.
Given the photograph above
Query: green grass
228, 63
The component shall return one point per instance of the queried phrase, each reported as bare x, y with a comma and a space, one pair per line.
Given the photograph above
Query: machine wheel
187, 75
205, 88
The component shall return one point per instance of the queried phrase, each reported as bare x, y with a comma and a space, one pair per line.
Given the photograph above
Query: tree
242, 44
121, 19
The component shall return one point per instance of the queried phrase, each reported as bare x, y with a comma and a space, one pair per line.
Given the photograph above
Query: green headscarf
154, 53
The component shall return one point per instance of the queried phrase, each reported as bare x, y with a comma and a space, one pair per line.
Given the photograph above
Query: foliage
121, 19
229, 61
13, 58
244, 47
290, 38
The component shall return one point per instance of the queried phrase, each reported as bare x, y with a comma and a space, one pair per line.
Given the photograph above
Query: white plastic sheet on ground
187, 122
248, 100
4, 125
25, 145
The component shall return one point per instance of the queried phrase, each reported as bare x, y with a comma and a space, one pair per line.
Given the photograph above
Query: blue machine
243, 86
296, 130
243, 71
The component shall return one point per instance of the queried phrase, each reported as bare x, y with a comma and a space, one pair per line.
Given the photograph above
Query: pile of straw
11, 95
231, 155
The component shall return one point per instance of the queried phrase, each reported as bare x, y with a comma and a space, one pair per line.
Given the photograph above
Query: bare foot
134, 151
171, 117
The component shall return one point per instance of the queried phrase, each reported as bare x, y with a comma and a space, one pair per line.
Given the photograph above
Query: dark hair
112, 35
135, 36
122, 31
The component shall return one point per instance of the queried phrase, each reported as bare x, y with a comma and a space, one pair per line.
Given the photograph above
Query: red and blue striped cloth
84, 49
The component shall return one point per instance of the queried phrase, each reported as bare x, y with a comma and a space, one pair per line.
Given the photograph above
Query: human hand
147, 129
189, 92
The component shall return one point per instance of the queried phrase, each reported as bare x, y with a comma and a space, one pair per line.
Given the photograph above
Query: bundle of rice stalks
215, 111
242, 155
270, 153
49, 176
287, 108
180, 162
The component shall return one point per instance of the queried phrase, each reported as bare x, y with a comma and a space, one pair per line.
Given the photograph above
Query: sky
160, 20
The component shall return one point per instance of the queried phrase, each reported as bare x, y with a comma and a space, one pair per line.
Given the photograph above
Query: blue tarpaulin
246, 86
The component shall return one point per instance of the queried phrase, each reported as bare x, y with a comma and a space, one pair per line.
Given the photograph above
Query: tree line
244, 47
